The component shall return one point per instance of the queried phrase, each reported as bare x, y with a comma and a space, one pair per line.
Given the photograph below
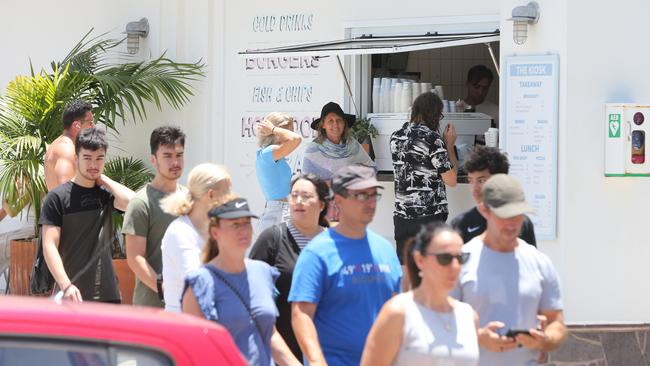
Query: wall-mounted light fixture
522, 16
135, 30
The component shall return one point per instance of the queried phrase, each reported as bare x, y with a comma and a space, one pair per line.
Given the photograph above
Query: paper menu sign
530, 122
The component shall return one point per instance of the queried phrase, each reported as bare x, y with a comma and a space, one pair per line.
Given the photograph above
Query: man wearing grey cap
510, 284
343, 276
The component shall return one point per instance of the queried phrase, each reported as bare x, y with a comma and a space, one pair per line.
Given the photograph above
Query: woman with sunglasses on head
426, 326
424, 161
237, 292
276, 140
281, 244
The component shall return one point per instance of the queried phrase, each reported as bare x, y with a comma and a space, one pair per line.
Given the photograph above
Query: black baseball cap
233, 209
333, 107
354, 177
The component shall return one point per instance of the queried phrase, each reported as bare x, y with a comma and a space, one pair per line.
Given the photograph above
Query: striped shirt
301, 239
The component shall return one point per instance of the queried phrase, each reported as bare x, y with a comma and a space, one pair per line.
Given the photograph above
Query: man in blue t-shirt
509, 283
344, 276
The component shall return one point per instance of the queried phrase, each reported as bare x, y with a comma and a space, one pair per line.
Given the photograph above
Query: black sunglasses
444, 259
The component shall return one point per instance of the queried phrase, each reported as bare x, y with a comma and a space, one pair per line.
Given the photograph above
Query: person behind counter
422, 166
281, 244
483, 163
479, 80
276, 140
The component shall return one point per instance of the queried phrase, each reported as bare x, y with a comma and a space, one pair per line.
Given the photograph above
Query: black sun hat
333, 107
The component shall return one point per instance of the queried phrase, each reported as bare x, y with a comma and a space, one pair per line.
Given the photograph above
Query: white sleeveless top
437, 339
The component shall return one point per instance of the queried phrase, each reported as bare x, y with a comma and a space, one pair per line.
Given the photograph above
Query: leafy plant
30, 111
134, 174
362, 130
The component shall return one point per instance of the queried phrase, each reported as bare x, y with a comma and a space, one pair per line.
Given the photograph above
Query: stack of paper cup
376, 92
421, 89
384, 95
407, 97
397, 97
393, 91
415, 91
425, 87
445, 106
492, 137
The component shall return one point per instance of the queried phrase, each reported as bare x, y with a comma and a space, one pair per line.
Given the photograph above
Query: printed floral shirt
419, 157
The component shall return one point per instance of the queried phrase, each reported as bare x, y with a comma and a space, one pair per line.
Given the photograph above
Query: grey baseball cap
504, 196
354, 177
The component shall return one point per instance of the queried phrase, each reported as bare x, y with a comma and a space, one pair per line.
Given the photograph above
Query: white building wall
600, 251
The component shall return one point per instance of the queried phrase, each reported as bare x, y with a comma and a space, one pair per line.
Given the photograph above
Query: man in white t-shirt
509, 283
479, 80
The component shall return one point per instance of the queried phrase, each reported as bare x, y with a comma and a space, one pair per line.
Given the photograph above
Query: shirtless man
60, 155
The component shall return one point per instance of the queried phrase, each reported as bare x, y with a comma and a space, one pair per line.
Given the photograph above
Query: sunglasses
444, 259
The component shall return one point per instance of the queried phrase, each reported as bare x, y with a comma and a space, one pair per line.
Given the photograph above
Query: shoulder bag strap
239, 296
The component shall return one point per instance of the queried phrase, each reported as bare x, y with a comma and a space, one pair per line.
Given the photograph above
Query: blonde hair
211, 249
278, 119
202, 178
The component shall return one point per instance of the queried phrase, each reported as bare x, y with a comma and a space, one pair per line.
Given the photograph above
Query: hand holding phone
514, 332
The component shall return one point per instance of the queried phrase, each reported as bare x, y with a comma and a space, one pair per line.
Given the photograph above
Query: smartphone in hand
514, 332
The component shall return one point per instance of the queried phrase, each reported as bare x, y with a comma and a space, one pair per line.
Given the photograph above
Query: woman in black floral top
423, 161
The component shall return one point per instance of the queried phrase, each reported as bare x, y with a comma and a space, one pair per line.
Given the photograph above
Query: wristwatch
159, 281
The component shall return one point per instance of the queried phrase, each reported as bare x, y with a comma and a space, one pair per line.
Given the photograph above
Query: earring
419, 273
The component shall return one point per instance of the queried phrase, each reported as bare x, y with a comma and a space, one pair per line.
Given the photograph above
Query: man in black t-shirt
480, 166
77, 227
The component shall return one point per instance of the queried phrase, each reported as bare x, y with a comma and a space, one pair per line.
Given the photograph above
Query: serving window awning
369, 44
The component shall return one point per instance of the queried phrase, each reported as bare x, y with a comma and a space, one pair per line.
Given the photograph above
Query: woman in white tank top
426, 326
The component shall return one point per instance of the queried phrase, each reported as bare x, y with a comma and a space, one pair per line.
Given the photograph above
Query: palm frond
128, 171
31, 109
123, 89
88, 54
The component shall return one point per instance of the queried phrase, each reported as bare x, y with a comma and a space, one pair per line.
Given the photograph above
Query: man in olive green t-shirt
145, 222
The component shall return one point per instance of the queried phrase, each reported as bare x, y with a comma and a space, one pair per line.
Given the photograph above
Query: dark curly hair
322, 190
478, 73
91, 139
421, 243
166, 135
490, 158
74, 111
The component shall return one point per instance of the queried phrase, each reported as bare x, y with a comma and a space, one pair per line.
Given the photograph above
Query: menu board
530, 110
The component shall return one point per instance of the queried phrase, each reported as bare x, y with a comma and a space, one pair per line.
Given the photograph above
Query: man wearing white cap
509, 283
